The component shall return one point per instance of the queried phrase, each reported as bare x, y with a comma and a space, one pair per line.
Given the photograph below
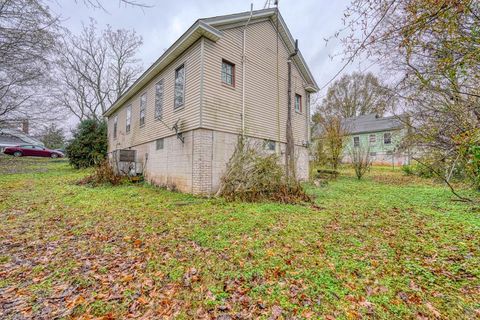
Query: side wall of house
188, 115
264, 118
380, 153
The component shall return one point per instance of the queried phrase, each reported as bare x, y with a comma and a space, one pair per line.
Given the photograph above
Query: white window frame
358, 139
389, 136
143, 108
298, 107
128, 121
175, 88
159, 92
159, 144
226, 75
115, 126
269, 145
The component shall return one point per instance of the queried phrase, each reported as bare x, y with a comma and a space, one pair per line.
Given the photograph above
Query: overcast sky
310, 21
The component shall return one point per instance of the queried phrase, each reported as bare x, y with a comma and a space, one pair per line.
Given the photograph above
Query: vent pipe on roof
243, 68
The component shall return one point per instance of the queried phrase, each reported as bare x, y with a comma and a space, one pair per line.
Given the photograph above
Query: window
228, 73
269, 145
373, 154
298, 103
143, 104
115, 122
389, 153
372, 138
159, 99
387, 138
356, 141
129, 118
159, 144
179, 87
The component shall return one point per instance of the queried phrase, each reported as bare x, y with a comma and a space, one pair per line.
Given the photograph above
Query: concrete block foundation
197, 165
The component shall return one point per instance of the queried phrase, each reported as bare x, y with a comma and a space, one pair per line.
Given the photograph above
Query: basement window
228, 73
387, 138
269, 145
356, 141
159, 144
373, 154
298, 103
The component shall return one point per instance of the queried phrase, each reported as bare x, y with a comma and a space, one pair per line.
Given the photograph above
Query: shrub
104, 174
251, 176
89, 144
361, 161
408, 170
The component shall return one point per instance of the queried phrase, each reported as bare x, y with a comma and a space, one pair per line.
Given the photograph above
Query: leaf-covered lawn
386, 247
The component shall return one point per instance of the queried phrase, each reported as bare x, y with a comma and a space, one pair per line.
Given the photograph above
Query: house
381, 136
224, 77
12, 137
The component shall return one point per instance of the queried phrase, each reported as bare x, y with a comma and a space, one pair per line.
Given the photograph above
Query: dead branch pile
252, 177
103, 174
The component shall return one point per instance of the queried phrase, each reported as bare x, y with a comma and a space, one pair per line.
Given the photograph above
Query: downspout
243, 69
290, 154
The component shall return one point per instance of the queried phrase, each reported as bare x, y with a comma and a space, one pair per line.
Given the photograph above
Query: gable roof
207, 28
372, 123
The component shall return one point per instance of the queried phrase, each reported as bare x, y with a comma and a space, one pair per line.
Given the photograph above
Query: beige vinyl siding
223, 105
189, 114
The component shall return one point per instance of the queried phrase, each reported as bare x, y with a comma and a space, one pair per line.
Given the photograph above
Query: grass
385, 247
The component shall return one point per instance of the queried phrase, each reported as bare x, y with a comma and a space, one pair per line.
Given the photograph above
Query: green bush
408, 170
89, 144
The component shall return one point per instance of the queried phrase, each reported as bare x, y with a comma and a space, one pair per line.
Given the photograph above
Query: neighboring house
381, 136
12, 137
225, 75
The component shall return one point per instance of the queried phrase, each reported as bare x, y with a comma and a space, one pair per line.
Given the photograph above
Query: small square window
387, 138
159, 144
269, 145
356, 141
228, 73
372, 138
373, 154
298, 103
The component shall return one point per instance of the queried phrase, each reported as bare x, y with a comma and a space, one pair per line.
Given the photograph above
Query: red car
33, 151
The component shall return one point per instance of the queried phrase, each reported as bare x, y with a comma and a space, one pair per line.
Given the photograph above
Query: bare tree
95, 68
27, 34
124, 66
431, 50
360, 159
354, 95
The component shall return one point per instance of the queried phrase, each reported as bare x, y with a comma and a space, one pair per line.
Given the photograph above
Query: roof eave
196, 31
